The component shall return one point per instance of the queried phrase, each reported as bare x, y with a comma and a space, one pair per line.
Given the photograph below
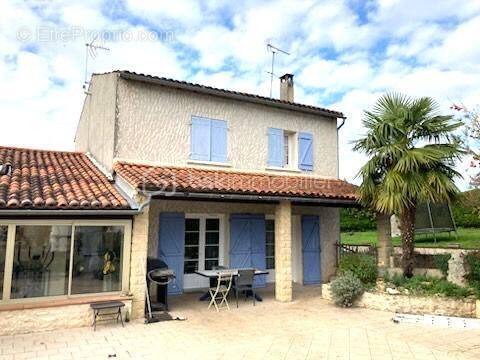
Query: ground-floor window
97, 259
3, 249
67, 258
41, 261
270, 244
202, 243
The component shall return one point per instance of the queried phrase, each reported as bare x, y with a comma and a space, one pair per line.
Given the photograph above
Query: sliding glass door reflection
41, 261
3, 249
97, 259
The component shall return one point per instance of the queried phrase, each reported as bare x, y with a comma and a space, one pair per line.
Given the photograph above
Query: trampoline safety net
433, 218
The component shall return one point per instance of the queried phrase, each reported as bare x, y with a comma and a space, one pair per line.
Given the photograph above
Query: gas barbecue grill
159, 274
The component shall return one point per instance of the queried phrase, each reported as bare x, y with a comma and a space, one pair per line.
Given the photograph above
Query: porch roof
174, 180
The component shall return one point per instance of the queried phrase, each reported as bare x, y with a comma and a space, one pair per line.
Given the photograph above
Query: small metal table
97, 307
213, 274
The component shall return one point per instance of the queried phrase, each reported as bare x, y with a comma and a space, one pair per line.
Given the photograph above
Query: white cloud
423, 47
459, 48
333, 76
179, 11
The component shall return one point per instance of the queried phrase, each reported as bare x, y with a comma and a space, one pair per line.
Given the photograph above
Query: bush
466, 209
424, 285
352, 219
345, 289
364, 267
473, 261
441, 262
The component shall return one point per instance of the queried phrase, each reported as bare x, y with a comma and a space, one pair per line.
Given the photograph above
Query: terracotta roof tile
55, 180
228, 182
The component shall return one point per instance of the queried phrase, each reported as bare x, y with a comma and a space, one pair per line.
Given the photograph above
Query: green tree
412, 150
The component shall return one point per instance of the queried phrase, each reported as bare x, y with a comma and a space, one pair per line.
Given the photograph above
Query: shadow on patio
188, 304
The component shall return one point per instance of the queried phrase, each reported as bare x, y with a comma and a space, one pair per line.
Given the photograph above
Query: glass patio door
203, 248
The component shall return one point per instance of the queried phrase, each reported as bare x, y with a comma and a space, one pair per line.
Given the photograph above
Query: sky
344, 55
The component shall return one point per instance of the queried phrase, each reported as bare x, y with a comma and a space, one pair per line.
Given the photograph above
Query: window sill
291, 170
47, 303
210, 163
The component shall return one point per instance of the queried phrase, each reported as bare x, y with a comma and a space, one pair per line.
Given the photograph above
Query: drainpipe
338, 154
338, 175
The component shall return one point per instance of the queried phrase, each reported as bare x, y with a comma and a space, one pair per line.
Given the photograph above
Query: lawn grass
468, 238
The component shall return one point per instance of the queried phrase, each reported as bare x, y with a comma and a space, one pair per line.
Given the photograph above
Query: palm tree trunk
407, 228
384, 234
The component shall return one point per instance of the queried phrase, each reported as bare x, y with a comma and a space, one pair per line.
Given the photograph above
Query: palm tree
411, 150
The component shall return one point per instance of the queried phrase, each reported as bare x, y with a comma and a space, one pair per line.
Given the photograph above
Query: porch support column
138, 262
283, 251
384, 234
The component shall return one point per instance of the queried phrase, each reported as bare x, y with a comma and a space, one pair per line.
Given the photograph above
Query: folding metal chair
220, 292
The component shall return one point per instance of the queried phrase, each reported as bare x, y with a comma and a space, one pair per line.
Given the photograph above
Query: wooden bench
115, 314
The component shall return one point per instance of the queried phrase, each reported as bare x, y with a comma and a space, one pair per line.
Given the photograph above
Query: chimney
286, 87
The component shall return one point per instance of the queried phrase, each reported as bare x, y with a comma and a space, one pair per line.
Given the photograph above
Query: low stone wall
13, 322
432, 305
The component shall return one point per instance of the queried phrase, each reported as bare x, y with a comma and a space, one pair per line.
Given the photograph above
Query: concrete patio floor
308, 328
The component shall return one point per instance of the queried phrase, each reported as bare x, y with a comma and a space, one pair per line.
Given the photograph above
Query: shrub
424, 285
473, 261
352, 219
345, 289
466, 209
441, 262
364, 267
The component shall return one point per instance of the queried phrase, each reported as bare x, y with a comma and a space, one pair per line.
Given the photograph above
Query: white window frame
10, 250
291, 146
202, 237
271, 272
270, 218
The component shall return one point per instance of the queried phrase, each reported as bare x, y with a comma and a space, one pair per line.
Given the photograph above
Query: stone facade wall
138, 262
283, 251
96, 127
432, 305
50, 318
154, 125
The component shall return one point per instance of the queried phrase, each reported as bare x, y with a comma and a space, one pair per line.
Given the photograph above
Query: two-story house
220, 178
196, 176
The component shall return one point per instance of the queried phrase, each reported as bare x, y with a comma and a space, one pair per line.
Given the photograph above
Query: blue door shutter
305, 151
247, 243
240, 250
275, 147
200, 139
311, 249
257, 235
171, 238
218, 140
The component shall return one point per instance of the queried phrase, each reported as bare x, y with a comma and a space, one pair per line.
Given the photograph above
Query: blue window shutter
171, 249
200, 139
218, 140
305, 151
275, 147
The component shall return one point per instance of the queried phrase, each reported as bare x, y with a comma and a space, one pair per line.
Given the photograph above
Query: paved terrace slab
308, 328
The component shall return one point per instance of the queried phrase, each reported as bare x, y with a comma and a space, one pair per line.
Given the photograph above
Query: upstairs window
208, 140
282, 145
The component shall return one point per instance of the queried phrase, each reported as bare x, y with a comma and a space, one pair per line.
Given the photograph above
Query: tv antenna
91, 51
274, 50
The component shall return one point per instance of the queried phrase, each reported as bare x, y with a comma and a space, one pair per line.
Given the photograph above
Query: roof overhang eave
297, 200
68, 212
